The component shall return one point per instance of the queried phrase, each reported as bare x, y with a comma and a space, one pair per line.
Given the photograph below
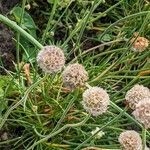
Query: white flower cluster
130, 140
95, 101
99, 133
136, 94
51, 59
142, 112
138, 99
74, 76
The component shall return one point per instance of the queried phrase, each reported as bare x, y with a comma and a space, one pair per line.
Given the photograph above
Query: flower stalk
22, 32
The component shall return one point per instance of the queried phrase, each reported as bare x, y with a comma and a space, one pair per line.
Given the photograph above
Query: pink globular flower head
139, 44
130, 140
136, 94
142, 112
95, 101
74, 76
51, 59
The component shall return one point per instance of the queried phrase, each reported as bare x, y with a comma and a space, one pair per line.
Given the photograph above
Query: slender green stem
88, 139
60, 130
103, 73
49, 21
105, 12
18, 38
109, 147
96, 47
94, 6
129, 77
144, 137
57, 22
123, 19
107, 52
81, 25
22, 32
127, 115
18, 34
9, 141
65, 113
3, 120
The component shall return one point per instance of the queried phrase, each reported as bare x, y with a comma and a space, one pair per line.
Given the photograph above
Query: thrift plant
139, 44
130, 140
95, 101
74, 76
80, 76
142, 112
136, 94
51, 59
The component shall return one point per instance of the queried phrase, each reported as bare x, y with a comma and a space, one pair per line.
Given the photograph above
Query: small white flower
99, 134
34, 108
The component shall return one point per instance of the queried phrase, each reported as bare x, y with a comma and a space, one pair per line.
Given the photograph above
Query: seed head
130, 140
140, 44
95, 101
136, 94
74, 76
142, 112
51, 59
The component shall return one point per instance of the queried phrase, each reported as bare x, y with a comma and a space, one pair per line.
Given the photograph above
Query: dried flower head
142, 112
136, 94
130, 140
95, 101
139, 44
74, 76
51, 59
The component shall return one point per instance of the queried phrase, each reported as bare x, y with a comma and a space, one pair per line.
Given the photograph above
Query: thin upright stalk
18, 38
18, 34
65, 113
59, 131
49, 21
113, 105
144, 137
8, 112
103, 127
22, 32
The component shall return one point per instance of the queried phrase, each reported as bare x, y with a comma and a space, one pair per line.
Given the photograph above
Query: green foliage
95, 33
27, 21
5, 83
29, 25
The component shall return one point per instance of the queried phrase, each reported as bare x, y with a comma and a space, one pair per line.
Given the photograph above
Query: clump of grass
45, 114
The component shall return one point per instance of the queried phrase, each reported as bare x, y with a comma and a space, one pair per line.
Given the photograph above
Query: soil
7, 46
